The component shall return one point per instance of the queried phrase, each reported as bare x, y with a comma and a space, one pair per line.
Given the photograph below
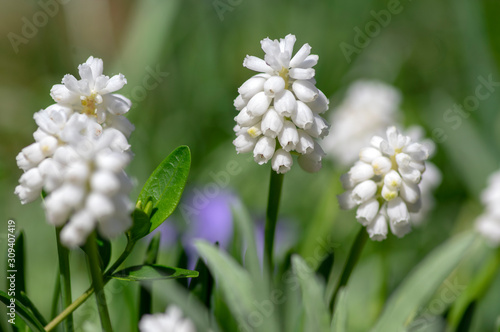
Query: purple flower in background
208, 217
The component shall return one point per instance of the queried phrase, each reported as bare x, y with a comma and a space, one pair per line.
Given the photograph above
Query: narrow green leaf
24, 313
145, 298
152, 251
317, 317
202, 286
325, 268
20, 259
153, 272
466, 320
339, 322
30, 305
417, 289
165, 186
235, 282
182, 261
244, 227
475, 290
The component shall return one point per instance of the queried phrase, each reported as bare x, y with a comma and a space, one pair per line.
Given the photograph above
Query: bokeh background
433, 51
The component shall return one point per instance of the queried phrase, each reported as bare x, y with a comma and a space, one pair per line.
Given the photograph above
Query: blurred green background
433, 51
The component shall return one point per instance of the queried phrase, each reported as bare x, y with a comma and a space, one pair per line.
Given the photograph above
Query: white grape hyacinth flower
79, 164
430, 180
368, 108
488, 224
384, 184
93, 95
170, 321
279, 108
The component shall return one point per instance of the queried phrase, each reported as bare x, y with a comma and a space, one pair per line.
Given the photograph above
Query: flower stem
275, 185
64, 278
98, 283
80, 300
55, 296
352, 259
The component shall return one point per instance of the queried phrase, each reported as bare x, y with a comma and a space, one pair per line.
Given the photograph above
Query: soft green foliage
316, 310
418, 287
23, 312
339, 322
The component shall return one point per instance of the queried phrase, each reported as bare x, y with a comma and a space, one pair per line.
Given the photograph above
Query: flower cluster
368, 108
384, 183
171, 321
79, 155
279, 108
488, 224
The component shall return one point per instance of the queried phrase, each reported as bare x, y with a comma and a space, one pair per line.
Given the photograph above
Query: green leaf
153, 272
339, 322
23, 312
326, 266
313, 291
235, 282
30, 305
145, 298
20, 258
244, 227
417, 289
462, 308
165, 186
202, 287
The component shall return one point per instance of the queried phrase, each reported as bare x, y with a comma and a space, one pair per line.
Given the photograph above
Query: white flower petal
303, 117
282, 161
301, 55
301, 73
264, 150
272, 123
285, 103
367, 211
259, 104
251, 87
256, 64
305, 91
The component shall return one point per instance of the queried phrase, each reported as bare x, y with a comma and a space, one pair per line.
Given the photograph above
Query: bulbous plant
77, 163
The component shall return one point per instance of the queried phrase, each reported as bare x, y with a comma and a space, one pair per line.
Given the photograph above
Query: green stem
80, 300
64, 279
352, 259
98, 283
275, 185
55, 296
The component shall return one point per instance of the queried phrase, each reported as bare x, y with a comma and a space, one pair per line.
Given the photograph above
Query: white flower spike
279, 108
488, 224
384, 184
79, 162
171, 321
